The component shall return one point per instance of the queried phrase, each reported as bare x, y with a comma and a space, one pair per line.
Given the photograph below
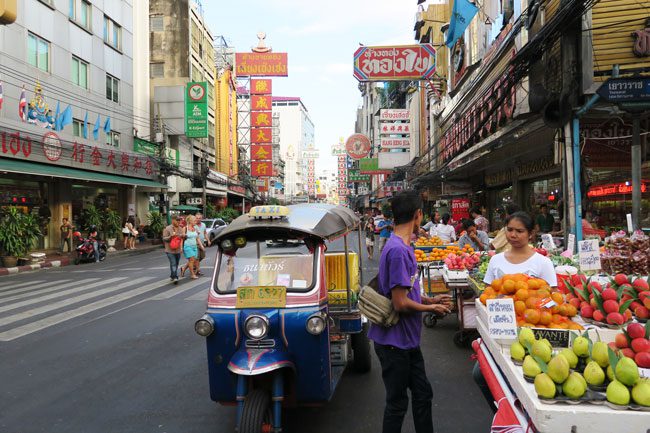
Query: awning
186, 208
25, 167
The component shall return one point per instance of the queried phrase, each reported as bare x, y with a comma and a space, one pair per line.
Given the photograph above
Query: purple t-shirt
397, 267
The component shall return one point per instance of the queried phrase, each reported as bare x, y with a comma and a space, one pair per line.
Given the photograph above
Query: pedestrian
482, 223
173, 238
66, 235
93, 238
203, 236
445, 231
398, 346
500, 241
544, 221
385, 226
477, 239
125, 233
435, 219
191, 246
130, 226
370, 237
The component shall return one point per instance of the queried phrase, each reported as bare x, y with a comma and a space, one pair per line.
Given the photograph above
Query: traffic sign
635, 89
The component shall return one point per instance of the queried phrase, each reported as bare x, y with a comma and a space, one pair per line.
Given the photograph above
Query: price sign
630, 226
589, 255
547, 242
571, 245
502, 320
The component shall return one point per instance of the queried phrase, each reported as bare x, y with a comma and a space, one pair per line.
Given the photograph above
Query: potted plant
111, 225
18, 232
156, 225
92, 217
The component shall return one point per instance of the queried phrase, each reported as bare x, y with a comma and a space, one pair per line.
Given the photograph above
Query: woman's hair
445, 218
467, 223
523, 218
131, 219
189, 219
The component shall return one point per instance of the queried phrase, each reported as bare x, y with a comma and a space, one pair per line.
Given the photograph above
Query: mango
544, 386
575, 386
531, 367
627, 371
581, 347
641, 392
517, 351
594, 374
600, 354
570, 357
618, 393
558, 369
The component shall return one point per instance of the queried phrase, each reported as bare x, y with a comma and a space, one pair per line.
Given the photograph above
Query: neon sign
614, 189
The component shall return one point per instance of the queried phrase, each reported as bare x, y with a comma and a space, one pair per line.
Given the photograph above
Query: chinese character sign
261, 87
260, 152
260, 119
262, 168
261, 102
261, 135
261, 132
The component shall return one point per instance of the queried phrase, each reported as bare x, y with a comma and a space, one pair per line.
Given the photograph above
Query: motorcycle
85, 250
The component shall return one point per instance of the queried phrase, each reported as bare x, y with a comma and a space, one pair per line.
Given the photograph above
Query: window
79, 72
156, 24
112, 33
72, 10
157, 70
80, 12
112, 88
38, 52
113, 139
77, 127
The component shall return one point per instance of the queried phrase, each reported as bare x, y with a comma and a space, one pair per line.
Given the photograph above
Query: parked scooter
85, 250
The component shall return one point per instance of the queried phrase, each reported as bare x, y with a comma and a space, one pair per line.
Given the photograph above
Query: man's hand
439, 309
438, 299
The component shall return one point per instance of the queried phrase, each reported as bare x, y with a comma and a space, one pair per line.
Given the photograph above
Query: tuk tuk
282, 323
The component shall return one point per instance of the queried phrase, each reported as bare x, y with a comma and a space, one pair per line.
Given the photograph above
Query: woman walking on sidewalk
191, 247
173, 239
370, 237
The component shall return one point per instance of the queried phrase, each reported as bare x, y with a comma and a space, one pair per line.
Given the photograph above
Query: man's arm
403, 304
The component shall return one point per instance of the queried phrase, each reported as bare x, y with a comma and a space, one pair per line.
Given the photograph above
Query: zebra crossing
27, 307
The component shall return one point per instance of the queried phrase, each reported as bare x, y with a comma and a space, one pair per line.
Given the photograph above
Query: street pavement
110, 347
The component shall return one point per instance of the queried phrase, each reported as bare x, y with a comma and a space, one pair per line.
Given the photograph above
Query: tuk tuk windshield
288, 264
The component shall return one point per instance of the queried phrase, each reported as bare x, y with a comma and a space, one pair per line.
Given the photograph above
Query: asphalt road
111, 348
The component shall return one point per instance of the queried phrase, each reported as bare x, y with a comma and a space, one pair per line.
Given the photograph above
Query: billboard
358, 146
390, 160
371, 166
395, 143
394, 114
261, 64
395, 63
196, 110
391, 128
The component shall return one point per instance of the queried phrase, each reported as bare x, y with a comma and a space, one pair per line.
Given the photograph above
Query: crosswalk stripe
58, 293
37, 289
173, 292
200, 296
28, 287
80, 311
11, 286
69, 301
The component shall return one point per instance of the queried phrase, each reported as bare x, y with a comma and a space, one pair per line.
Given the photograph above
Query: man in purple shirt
398, 347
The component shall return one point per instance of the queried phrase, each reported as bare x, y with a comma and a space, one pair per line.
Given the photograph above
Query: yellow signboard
261, 297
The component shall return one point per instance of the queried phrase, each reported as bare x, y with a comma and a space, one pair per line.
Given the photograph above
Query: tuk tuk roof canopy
319, 220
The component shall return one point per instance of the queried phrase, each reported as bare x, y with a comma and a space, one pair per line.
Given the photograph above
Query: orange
490, 291
545, 287
508, 277
519, 285
533, 284
557, 318
520, 307
527, 325
555, 309
521, 322
532, 316
508, 286
497, 284
531, 302
521, 295
571, 310
545, 318
563, 309
483, 298
520, 277
563, 325
575, 326
558, 298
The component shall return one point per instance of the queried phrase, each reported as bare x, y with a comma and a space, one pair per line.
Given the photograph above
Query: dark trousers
401, 370
64, 242
174, 259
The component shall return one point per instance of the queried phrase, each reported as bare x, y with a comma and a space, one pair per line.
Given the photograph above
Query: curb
65, 261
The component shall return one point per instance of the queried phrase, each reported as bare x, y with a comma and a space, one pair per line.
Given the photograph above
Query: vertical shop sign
459, 209
196, 110
261, 87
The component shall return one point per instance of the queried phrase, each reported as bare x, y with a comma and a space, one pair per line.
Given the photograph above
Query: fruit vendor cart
463, 294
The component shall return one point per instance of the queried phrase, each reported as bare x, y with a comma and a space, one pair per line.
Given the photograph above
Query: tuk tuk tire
362, 361
430, 320
256, 412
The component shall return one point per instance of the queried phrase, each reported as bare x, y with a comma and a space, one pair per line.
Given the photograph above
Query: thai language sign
387, 63
589, 255
196, 110
355, 176
394, 114
371, 166
310, 154
261, 64
459, 209
501, 317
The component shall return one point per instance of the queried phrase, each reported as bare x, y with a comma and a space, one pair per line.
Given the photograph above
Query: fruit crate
561, 418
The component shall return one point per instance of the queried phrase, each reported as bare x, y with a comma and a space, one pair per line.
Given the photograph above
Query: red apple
628, 315
635, 330
642, 359
620, 279
598, 316
615, 319
628, 352
646, 303
642, 312
621, 341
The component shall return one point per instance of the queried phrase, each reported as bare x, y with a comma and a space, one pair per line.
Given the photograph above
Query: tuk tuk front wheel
257, 416
361, 350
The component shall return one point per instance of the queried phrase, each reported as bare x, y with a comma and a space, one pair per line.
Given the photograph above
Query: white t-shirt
445, 232
536, 266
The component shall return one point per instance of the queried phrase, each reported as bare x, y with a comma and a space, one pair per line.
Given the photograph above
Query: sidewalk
54, 259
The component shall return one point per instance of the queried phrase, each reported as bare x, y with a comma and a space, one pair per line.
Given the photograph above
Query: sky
320, 39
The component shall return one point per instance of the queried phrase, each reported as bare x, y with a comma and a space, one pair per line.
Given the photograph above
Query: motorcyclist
92, 237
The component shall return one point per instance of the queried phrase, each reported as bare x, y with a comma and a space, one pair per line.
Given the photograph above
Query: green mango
618, 393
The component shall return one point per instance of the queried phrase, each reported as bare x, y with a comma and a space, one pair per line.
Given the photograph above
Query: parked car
213, 227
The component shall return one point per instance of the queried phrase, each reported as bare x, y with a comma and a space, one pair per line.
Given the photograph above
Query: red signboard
386, 63
459, 209
261, 168
261, 64
261, 87
261, 119
261, 152
358, 146
261, 103
261, 135
614, 189
608, 144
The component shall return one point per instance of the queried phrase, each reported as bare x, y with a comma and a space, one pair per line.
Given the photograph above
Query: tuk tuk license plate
261, 297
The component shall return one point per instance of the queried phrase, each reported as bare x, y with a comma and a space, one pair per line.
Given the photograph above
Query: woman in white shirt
444, 230
521, 258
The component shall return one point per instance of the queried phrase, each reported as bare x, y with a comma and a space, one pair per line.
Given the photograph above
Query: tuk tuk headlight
240, 242
256, 327
315, 324
204, 326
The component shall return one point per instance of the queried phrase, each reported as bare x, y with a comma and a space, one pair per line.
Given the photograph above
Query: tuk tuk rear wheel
257, 415
361, 350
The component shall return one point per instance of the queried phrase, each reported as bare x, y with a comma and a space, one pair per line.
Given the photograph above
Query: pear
517, 351
627, 371
526, 335
575, 386
618, 393
600, 353
544, 386
641, 392
594, 374
548, 343
570, 356
558, 369
542, 350
581, 347
531, 367
610, 373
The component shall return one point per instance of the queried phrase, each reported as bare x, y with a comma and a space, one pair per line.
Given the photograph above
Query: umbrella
187, 208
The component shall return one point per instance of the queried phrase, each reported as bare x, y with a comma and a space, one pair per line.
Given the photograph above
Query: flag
57, 117
107, 125
1, 96
86, 126
461, 15
66, 117
22, 106
96, 128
